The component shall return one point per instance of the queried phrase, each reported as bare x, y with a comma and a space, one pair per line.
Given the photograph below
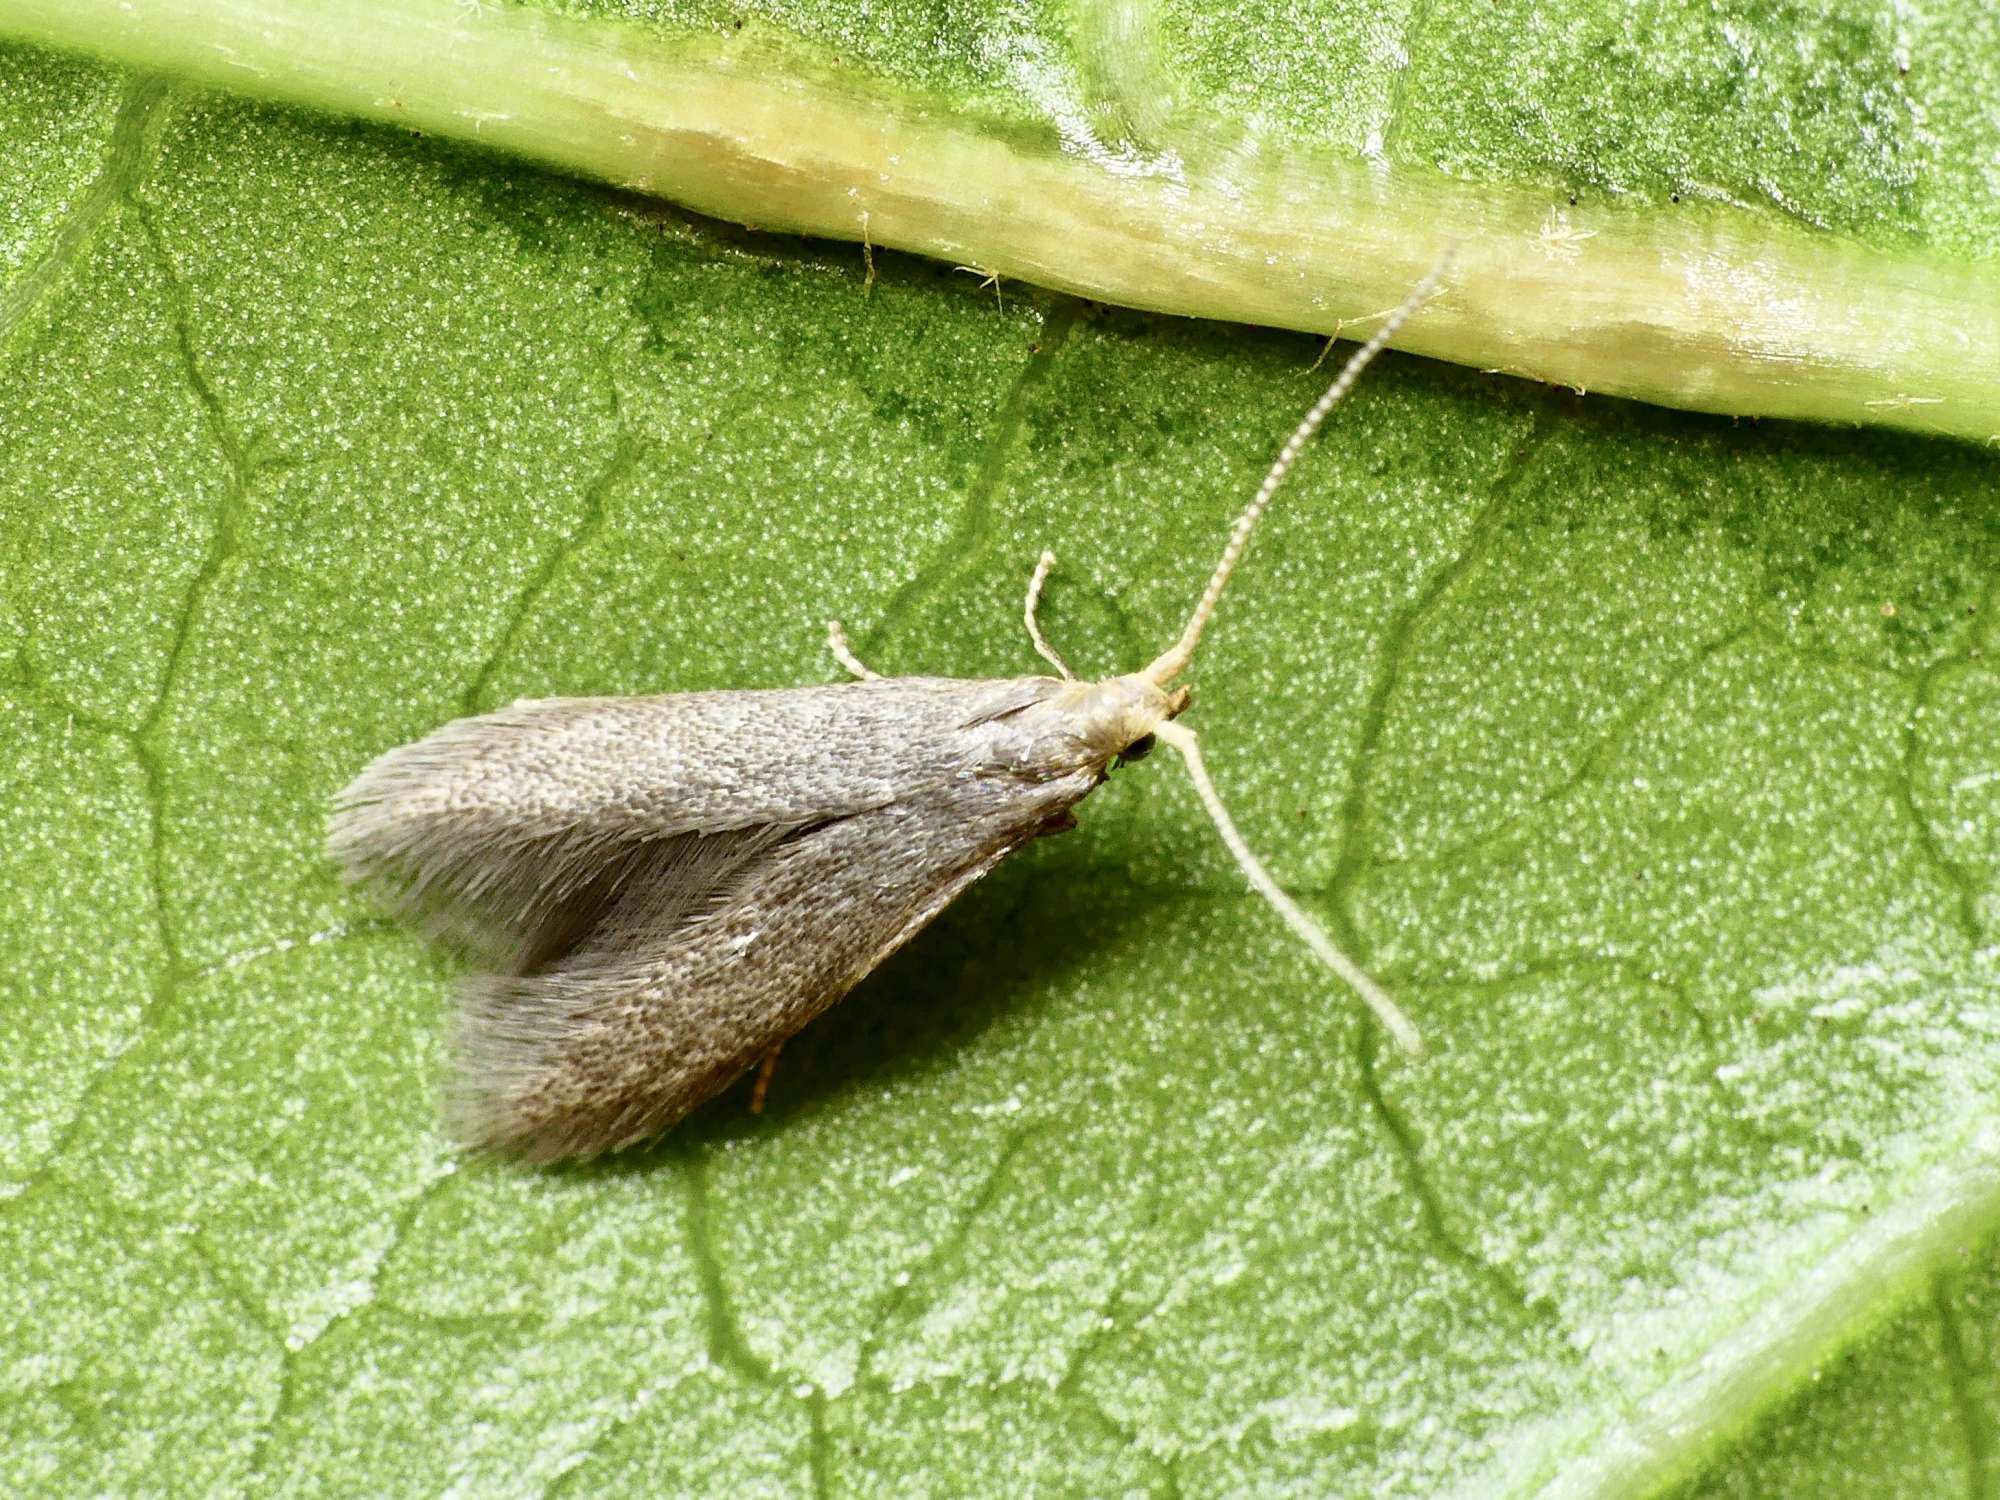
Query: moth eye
1139, 749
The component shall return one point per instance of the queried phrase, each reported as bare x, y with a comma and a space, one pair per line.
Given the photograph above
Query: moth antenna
1043, 649
836, 642
1183, 739
1173, 661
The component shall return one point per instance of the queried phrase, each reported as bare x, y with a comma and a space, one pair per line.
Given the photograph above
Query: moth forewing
492, 825
649, 1017
714, 870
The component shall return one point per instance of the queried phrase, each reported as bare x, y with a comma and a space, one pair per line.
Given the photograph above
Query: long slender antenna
1182, 739
1173, 661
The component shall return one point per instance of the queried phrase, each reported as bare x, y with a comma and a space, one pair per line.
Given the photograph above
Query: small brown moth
659, 891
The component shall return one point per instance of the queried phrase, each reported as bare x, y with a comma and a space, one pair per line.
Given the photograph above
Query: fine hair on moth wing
656, 892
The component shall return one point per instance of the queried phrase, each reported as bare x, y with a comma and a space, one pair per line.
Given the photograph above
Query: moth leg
836, 642
1043, 649
987, 279
763, 1084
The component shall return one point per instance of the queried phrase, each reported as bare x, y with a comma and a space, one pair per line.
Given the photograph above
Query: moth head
1112, 717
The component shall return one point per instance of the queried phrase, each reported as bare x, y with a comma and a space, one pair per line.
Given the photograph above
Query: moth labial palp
656, 892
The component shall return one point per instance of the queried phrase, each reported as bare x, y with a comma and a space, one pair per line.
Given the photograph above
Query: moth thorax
1110, 716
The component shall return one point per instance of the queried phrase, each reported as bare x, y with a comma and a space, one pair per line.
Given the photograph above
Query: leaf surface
1649, 758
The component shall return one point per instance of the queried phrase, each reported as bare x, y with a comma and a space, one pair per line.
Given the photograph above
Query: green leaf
1649, 759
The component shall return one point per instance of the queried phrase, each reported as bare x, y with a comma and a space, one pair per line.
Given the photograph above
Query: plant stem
1705, 307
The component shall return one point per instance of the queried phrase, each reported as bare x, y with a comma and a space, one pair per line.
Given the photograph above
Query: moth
658, 891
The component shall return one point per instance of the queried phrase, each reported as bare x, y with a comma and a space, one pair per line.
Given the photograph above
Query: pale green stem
1704, 307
